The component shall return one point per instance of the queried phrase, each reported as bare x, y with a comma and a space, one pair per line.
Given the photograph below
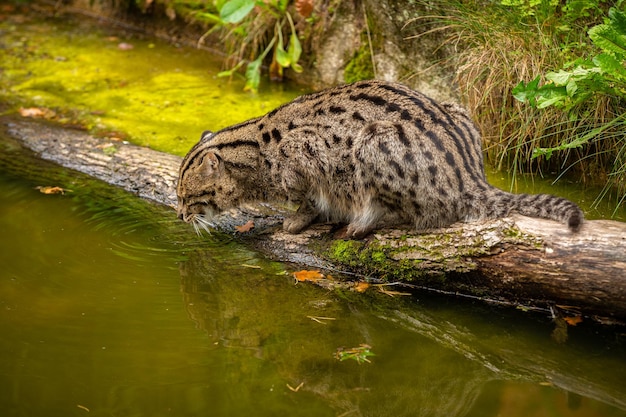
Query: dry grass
495, 50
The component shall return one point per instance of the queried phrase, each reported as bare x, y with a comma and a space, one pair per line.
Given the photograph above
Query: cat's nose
180, 213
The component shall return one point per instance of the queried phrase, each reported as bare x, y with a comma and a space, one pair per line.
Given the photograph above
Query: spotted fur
366, 154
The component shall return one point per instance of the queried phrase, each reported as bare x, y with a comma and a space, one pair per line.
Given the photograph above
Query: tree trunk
521, 261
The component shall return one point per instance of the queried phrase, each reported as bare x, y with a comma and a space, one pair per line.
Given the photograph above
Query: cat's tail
499, 203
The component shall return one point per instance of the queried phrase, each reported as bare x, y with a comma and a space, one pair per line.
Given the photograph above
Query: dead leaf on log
249, 225
52, 190
37, 112
305, 275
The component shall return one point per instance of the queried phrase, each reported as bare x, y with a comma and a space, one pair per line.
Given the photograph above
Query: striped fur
367, 154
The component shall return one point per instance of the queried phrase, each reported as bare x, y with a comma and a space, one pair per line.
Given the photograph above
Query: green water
155, 94
109, 306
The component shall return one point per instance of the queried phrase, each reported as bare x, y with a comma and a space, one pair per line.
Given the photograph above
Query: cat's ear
206, 135
212, 164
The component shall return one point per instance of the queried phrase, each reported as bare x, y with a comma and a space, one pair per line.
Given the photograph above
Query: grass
496, 47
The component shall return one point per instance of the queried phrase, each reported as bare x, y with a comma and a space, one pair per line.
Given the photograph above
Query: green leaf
537, 152
559, 78
571, 88
608, 64
209, 18
295, 50
521, 92
253, 70
542, 103
253, 75
234, 11
282, 57
611, 37
230, 72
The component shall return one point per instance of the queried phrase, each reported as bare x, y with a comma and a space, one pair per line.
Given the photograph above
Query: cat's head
205, 186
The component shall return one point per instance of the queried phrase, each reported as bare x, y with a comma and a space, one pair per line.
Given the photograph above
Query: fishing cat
367, 154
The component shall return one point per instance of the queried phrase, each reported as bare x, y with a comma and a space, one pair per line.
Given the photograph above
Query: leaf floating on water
358, 354
305, 275
573, 320
392, 293
82, 407
52, 190
245, 227
319, 319
296, 389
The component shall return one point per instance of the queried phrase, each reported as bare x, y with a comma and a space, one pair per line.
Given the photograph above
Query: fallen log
528, 262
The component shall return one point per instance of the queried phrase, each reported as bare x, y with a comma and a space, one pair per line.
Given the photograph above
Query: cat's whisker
196, 228
204, 223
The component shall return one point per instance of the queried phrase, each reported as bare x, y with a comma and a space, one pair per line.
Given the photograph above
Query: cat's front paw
297, 222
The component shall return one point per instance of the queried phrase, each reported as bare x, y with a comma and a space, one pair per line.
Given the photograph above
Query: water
109, 306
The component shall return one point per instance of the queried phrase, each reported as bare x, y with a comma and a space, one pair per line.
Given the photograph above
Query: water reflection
108, 304
433, 358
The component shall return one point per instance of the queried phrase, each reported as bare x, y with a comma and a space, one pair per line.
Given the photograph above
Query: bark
519, 260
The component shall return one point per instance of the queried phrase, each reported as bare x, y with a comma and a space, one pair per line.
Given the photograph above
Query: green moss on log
428, 257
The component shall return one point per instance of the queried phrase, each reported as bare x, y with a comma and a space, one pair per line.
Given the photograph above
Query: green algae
159, 95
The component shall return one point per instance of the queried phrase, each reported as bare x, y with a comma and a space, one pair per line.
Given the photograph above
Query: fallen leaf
245, 227
31, 112
305, 275
392, 293
296, 389
51, 190
104, 145
361, 286
358, 354
82, 407
37, 112
251, 266
319, 319
573, 320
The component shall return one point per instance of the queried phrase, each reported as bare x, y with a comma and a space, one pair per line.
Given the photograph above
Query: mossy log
525, 262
